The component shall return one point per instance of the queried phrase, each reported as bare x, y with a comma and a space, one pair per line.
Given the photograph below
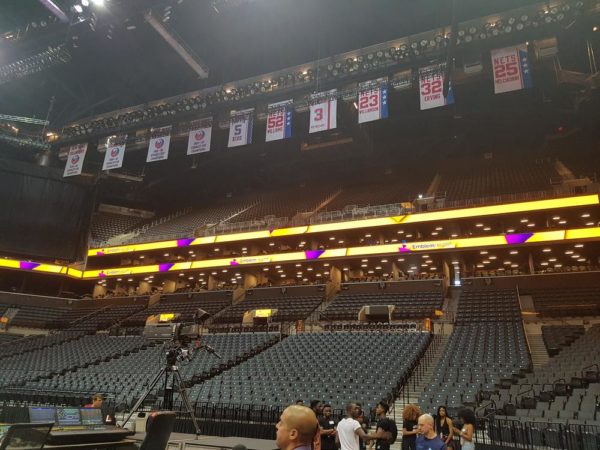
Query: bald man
427, 439
296, 428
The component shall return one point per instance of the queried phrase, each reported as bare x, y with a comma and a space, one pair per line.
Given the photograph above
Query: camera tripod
172, 377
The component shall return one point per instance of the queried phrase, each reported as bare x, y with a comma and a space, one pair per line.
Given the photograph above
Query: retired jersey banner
240, 128
279, 121
323, 111
511, 69
431, 87
199, 137
372, 101
158, 150
115, 151
75, 160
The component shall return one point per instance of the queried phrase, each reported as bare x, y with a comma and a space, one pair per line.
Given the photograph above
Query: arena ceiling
124, 62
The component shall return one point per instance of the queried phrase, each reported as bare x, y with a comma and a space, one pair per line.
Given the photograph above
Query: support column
531, 265
144, 288
250, 280
98, 290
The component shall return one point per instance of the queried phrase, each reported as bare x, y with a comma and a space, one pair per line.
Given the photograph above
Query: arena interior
342, 200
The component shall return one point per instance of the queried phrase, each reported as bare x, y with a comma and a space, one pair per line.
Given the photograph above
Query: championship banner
323, 111
279, 121
115, 152
431, 87
372, 100
199, 137
75, 160
511, 69
240, 128
158, 150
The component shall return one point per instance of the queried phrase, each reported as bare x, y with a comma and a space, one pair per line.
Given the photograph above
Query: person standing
317, 407
296, 428
349, 431
444, 426
428, 439
386, 431
327, 424
467, 417
410, 417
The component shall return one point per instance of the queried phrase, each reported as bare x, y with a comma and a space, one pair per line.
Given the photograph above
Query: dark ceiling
234, 38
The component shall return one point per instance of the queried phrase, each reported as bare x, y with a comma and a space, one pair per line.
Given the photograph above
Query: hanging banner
323, 111
240, 128
75, 160
115, 152
511, 69
372, 100
158, 150
431, 87
199, 137
279, 121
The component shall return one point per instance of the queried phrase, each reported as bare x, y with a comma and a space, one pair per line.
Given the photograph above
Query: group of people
315, 428
415, 424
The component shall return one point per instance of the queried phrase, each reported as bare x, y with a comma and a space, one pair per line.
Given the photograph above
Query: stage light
85, 2
98, 2
78, 8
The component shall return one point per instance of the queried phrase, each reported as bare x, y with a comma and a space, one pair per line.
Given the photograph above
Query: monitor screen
68, 416
91, 416
42, 414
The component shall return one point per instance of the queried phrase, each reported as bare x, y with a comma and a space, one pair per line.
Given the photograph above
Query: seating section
289, 308
35, 342
286, 203
53, 317
129, 376
558, 337
65, 356
488, 305
566, 388
556, 302
335, 367
483, 349
8, 338
106, 317
106, 225
185, 304
411, 305
184, 226
492, 178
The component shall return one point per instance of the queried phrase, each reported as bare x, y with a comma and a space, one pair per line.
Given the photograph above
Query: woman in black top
443, 426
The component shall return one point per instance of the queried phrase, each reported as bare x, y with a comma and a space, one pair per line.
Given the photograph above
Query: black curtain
42, 215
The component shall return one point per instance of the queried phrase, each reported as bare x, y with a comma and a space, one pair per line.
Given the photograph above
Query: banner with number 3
323, 111
431, 87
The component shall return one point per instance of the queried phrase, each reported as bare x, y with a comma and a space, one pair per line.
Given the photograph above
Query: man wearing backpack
386, 431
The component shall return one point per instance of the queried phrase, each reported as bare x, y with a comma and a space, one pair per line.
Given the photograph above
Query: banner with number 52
323, 111
279, 121
431, 87
372, 100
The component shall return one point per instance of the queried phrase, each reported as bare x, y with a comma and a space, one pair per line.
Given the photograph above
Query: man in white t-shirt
349, 430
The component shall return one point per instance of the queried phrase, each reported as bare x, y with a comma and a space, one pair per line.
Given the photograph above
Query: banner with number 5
279, 121
240, 128
372, 101
511, 69
431, 87
323, 111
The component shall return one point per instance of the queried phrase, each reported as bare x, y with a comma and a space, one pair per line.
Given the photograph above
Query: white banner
199, 138
75, 160
323, 111
431, 87
115, 152
279, 121
240, 128
372, 101
511, 69
158, 150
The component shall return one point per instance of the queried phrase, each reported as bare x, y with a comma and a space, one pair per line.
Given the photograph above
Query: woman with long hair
410, 419
444, 427
467, 417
